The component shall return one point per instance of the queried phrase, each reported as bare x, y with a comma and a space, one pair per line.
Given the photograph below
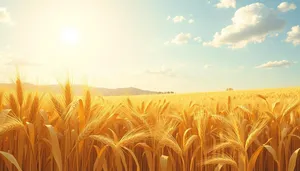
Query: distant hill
79, 89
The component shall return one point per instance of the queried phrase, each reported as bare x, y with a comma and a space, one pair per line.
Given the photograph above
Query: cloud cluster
21, 62
293, 36
181, 38
198, 39
191, 21
250, 24
272, 64
206, 66
180, 19
4, 16
162, 71
226, 4
285, 7
8, 58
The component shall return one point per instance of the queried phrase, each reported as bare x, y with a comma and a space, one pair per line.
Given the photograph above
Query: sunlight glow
70, 36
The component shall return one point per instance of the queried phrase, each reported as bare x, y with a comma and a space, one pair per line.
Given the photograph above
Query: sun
69, 36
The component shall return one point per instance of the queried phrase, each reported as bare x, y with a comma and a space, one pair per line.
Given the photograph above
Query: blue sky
171, 45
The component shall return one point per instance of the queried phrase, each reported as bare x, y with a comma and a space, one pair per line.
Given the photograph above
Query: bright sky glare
69, 36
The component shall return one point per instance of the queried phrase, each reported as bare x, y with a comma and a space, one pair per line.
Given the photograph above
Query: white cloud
181, 38
21, 62
4, 16
250, 24
272, 64
226, 4
162, 71
206, 66
191, 21
293, 36
198, 39
285, 6
9, 58
178, 19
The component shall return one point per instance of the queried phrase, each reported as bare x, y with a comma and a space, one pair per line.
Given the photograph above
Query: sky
170, 45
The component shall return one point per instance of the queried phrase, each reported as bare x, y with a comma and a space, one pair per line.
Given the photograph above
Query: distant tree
229, 89
166, 92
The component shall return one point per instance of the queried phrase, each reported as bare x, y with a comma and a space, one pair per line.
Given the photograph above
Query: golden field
217, 131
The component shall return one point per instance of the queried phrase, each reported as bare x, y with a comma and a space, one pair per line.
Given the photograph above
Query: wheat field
238, 130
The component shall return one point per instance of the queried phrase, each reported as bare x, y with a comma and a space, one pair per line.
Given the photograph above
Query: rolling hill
79, 89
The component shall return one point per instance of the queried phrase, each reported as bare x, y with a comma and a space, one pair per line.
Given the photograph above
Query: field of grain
238, 130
